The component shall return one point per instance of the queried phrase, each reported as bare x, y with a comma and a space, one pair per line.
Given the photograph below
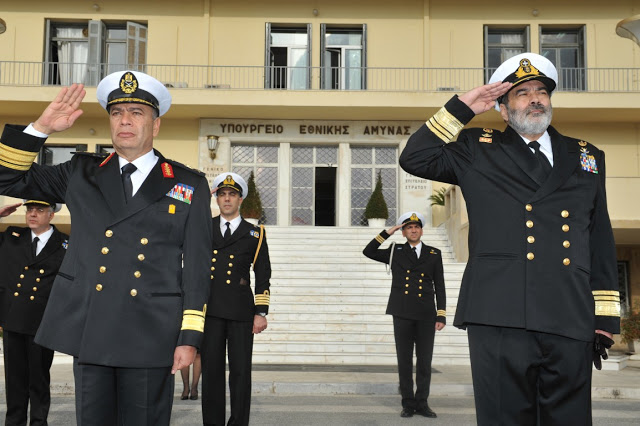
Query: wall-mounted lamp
96, 7
212, 144
315, 12
535, 12
3, 26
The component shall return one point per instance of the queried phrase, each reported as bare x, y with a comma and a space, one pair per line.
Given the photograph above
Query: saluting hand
63, 111
393, 229
7, 210
483, 98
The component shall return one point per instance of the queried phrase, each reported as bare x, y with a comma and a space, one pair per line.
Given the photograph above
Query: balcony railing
373, 79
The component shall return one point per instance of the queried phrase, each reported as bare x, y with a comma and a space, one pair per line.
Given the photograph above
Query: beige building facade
318, 97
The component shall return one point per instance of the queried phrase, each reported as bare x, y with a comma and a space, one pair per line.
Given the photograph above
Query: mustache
537, 107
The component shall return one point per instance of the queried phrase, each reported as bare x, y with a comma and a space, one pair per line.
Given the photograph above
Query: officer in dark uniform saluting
30, 257
417, 275
539, 296
234, 314
122, 304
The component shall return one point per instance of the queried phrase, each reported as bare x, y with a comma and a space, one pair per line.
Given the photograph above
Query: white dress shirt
233, 224
418, 248
144, 165
545, 146
42, 239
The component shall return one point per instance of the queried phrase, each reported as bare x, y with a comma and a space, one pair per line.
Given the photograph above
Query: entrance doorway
325, 199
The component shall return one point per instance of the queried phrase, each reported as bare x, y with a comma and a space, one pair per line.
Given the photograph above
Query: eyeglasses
37, 209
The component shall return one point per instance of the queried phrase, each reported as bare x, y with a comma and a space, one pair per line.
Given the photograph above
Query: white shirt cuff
33, 132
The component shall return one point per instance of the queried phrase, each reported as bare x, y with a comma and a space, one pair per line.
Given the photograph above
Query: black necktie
34, 246
542, 159
127, 169
227, 233
415, 252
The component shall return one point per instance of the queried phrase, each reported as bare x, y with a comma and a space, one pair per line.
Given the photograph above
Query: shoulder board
183, 167
99, 155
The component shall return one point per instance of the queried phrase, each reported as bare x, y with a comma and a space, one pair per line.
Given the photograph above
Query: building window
564, 47
52, 155
366, 163
105, 149
84, 52
262, 160
287, 56
343, 60
501, 44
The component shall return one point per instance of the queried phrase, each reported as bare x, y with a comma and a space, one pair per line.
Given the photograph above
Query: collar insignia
167, 170
15, 234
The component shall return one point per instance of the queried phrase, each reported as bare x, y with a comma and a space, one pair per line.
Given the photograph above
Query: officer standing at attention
417, 275
539, 297
30, 257
234, 314
122, 304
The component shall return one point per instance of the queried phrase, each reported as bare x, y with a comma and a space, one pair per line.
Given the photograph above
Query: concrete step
328, 300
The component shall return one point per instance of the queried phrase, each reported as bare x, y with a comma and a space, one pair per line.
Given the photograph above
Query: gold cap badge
128, 83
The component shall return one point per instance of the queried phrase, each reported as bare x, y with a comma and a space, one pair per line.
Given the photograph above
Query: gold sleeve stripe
194, 312
444, 125
441, 313
606, 299
380, 239
438, 132
6, 148
193, 322
263, 299
608, 309
606, 293
19, 158
14, 166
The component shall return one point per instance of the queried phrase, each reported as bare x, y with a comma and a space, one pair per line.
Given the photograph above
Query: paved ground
350, 410
359, 395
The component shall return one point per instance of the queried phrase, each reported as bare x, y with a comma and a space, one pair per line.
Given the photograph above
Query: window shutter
136, 46
97, 35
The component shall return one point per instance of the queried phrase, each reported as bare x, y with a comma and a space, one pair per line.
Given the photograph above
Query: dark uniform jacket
541, 250
25, 281
231, 295
122, 297
414, 280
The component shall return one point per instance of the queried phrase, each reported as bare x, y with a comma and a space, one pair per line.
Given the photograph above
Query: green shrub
251, 206
630, 327
377, 206
438, 197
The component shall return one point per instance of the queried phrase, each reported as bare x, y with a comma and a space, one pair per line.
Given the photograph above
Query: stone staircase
328, 300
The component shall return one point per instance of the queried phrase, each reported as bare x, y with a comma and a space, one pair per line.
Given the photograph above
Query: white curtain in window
72, 56
299, 70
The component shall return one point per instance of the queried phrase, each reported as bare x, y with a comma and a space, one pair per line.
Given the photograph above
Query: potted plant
438, 197
377, 212
251, 207
630, 330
